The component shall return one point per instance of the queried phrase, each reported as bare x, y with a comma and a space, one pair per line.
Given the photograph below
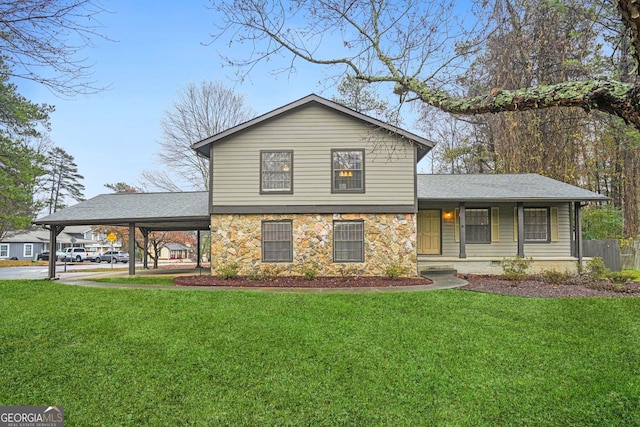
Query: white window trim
4, 245
24, 250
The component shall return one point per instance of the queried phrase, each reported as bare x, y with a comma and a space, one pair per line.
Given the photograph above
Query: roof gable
424, 145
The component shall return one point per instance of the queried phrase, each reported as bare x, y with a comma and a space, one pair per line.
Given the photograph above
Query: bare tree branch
201, 110
419, 46
40, 40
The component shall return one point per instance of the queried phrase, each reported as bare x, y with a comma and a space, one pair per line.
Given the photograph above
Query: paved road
41, 271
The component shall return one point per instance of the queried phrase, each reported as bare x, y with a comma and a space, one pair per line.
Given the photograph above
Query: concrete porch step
437, 269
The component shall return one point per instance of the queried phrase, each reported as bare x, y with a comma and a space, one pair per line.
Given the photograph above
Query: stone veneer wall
388, 239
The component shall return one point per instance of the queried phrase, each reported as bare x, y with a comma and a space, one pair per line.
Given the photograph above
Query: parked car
75, 254
115, 256
94, 256
44, 256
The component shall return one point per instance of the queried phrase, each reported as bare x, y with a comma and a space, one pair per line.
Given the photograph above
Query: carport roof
154, 211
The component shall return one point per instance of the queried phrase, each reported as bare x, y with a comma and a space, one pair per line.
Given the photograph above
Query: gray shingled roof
157, 211
503, 187
39, 236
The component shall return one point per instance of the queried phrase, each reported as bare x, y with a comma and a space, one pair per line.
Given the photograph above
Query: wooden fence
608, 250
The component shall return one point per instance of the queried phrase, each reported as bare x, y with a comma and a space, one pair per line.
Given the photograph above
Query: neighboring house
175, 251
27, 244
316, 184
23, 245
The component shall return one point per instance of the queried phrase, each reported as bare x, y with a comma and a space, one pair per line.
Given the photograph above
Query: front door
429, 232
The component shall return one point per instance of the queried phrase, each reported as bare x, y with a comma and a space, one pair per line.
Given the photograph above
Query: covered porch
470, 223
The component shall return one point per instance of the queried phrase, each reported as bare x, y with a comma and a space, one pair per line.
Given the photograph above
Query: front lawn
137, 280
147, 357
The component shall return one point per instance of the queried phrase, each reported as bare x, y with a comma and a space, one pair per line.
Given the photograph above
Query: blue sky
159, 48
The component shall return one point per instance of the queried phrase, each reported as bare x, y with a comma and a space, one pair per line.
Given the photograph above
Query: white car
75, 254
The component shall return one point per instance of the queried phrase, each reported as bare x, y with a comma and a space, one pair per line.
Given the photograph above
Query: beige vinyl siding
507, 246
312, 132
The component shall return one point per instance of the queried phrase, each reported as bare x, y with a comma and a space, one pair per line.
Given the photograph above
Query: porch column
132, 249
54, 230
520, 229
198, 251
463, 234
578, 211
145, 251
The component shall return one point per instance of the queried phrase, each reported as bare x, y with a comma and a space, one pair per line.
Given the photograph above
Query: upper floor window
347, 169
276, 172
536, 225
478, 225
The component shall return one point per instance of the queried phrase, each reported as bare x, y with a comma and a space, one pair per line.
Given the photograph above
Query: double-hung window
347, 170
276, 172
277, 242
348, 241
4, 251
536, 225
28, 250
478, 225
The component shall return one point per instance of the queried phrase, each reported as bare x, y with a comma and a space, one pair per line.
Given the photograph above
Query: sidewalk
440, 282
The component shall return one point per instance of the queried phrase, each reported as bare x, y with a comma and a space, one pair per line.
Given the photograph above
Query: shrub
255, 274
396, 270
554, 277
595, 268
310, 271
621, 277
229, 271
271, 272
515, 269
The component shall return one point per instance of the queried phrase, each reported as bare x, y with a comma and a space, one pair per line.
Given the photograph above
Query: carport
185, 211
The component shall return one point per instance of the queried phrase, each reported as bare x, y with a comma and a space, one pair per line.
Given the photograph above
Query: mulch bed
531, 287
301, 282
540, 289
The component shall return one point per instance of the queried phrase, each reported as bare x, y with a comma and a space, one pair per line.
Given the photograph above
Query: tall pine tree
62, 180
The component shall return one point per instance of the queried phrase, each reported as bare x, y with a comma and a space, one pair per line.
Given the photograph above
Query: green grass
137, 280
144, 357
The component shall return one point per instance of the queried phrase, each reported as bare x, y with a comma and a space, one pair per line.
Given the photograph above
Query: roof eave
514, 199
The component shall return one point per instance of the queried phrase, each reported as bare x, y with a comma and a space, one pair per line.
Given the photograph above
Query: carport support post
463, 233
198, 252
145, 251
520, 229
54, 230
132, 249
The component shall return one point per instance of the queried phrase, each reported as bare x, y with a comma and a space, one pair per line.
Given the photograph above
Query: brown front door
429, 232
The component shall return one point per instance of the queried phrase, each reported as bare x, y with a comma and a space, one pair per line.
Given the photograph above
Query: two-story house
316, 184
